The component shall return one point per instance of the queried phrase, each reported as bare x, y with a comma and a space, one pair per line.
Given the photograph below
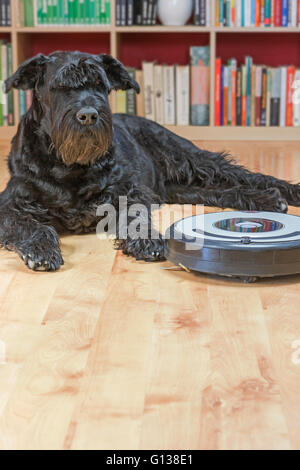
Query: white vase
174, 12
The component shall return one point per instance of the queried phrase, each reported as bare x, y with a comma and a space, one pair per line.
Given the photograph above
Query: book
169, 95
200, 80
131, 95
140, 108
159, 93
182, 95
148, 70
275, 96
218, 66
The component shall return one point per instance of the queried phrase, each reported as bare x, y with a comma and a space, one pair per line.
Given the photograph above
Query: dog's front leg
21, 231
136, 235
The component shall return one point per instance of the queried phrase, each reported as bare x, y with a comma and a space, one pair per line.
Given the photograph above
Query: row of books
5, 13
6, 101
256, 13
136, 12
171, 94
64, 12
256, 95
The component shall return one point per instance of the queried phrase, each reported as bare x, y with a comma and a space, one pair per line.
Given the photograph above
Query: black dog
70, 155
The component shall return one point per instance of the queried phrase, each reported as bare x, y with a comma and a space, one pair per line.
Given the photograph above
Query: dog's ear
117, 74
27, 74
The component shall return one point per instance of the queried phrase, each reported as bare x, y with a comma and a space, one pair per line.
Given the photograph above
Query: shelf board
237, 133
5, 29
163, 29
65, 29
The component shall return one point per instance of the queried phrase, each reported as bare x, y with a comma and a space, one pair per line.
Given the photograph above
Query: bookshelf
134, 43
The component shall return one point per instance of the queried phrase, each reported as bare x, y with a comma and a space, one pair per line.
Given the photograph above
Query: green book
81, 11
76, 11
1, 90
97, 11
92, 12
29, 17
86, 11
39, 7
66, 12
10, 95
44, 18
102, 12
60, 14
22, 102
131, 95
50, 11
107, 11
71, 12
55, 11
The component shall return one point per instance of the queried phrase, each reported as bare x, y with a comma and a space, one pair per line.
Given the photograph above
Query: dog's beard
79, 144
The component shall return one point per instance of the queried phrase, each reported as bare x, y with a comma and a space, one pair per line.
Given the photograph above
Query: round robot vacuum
248, 245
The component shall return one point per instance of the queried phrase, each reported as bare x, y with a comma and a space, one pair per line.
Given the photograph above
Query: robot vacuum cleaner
248, 245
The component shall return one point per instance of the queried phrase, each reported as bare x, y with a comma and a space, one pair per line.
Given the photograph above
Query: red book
277, 12
257, 13
298, 12
218, 92
244, 110
289, 95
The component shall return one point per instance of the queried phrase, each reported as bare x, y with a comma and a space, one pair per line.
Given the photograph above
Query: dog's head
70, 100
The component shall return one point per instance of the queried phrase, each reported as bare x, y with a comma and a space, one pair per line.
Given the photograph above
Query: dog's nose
87, 116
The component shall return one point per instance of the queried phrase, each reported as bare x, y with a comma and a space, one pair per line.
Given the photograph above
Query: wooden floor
110, 353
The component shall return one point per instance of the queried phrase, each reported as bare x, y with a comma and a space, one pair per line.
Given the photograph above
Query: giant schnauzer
71, 155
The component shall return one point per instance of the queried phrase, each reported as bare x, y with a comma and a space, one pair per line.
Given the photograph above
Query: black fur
61, 171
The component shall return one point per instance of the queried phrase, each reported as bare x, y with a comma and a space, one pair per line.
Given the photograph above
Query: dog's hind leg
21, 231
239, 197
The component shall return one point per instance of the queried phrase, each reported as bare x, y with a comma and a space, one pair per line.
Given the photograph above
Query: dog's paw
146, 250
38, 259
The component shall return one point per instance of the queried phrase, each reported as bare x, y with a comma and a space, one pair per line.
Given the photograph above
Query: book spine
293, 9
284, 13
217, 18
221, 3
10, 95
277, 12
238, 13
258, 88
149, 12
118, 12
262, 12
248, 112
244, 95
144, 12
257, 13
154, 14
238, 97
233, 92
140, 98
228, 13
200, 57
55, 11
222, 97
92, 18
121, 101
4, 77
182, 96
289, 95
253, 94
159, 93
263, 111
298, 14
269, 92
225, 95
87, 13
267, 20
275, 97
8, 13
296, 100
123, 13
130, 5
283, 88
148, 74
169, 95
202, 12
217, 91
107, 12
131, 96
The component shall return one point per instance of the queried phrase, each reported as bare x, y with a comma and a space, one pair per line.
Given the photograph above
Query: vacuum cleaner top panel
251, 230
